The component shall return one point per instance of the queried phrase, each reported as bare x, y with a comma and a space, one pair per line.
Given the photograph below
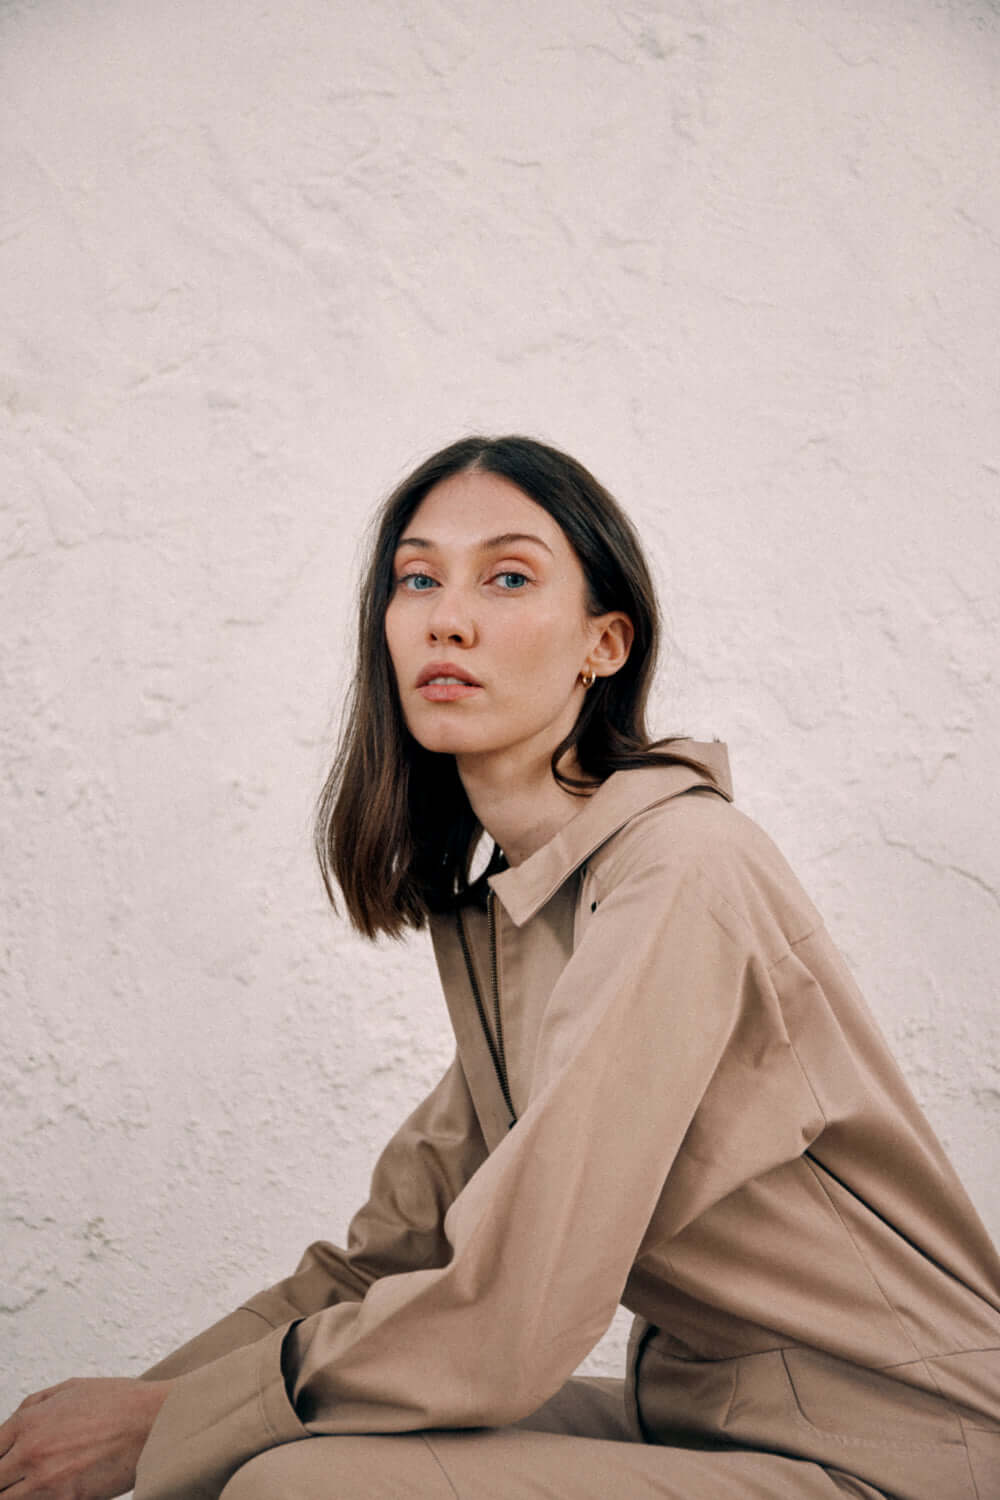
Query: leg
510, 1464
396, 1467
586, 1406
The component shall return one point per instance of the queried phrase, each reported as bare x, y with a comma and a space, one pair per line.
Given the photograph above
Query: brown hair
394, 828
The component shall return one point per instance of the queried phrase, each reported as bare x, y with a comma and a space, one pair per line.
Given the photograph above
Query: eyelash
405, 578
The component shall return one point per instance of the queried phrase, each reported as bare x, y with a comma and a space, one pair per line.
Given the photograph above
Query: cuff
244, 1326
216, 1419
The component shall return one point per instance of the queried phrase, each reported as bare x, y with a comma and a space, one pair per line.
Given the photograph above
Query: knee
249, 1482
342, 1468
272, 1475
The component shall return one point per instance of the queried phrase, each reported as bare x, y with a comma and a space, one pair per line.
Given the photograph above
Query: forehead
466, 508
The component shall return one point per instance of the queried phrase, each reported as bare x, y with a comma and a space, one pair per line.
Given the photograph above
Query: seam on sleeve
247, 1307
651, 841
919, 1356
265, 1381
903, 1364
792, 944
804, 1071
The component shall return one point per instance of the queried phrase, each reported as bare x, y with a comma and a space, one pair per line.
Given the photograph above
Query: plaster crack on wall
944, 867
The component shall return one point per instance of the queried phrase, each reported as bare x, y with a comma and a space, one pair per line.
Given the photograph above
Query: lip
465, 686
446, 669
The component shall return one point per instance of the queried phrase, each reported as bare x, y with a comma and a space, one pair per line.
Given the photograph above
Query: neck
517, 799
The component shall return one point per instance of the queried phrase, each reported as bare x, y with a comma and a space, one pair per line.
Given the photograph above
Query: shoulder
696, 827
701, 838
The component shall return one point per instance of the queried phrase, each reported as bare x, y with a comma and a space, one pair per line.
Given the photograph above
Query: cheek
544, 654
391, 634
530, 646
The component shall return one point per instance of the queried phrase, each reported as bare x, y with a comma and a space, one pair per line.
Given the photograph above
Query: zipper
494, 1034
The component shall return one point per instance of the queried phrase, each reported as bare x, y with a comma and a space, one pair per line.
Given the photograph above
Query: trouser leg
396, 1467
511, 1464
586, 1406
581, 1445
405, 1465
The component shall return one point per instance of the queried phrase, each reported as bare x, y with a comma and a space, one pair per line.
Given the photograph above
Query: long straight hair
394, 827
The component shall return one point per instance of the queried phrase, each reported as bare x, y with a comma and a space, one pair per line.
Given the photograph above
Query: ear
611, 643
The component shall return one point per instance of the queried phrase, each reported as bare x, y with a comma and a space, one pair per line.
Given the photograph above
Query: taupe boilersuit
711, 1130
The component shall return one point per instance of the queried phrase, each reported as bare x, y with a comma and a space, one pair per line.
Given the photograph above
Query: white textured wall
742, 258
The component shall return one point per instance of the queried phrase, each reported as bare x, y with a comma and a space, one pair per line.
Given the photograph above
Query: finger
49, 1391
11, 1475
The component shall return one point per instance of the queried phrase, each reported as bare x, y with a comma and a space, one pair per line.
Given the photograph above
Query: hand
80, 1440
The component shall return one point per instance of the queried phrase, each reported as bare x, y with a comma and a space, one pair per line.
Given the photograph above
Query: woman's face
487, 625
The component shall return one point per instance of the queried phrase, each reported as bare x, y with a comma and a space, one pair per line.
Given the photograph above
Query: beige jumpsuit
710, 1130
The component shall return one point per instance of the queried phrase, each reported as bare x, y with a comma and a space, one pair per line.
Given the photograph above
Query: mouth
444, 682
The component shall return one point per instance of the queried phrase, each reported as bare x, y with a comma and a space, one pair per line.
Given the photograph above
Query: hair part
394, 828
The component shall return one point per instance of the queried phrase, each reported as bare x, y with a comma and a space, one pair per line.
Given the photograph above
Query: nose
451, 618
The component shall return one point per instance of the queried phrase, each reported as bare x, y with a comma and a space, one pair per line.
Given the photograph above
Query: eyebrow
491, 543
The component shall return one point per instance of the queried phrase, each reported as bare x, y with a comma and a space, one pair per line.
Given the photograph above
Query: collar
525, 889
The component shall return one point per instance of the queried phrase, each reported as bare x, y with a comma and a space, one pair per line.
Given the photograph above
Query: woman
666, 1092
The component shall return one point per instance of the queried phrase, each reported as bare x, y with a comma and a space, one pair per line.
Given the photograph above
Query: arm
79, 1440
417, 1176
86, 1435
633, 1033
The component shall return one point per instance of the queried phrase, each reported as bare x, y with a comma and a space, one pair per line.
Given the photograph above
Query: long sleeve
234, 1331
400, 1228
542, 1239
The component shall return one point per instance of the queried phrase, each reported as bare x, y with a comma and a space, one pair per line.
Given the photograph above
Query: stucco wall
742, 258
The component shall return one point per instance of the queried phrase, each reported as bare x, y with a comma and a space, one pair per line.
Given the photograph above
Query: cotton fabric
710, 1129
580, 1444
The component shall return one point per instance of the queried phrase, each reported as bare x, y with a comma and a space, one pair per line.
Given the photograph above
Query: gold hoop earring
588, 678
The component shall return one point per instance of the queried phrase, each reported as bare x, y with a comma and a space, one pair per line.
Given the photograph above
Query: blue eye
511, 581
417, 583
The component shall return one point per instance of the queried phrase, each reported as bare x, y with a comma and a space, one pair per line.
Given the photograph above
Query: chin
446, 739
456, 745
